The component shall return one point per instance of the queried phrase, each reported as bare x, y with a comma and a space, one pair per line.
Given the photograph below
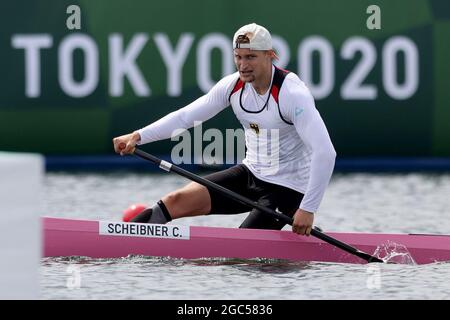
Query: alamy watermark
374, 20
74, 279
374, 277
263, 147
73, 22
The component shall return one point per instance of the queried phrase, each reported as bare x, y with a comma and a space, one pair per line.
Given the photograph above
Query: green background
55, 123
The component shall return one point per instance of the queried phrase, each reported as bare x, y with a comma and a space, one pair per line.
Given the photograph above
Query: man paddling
275, 108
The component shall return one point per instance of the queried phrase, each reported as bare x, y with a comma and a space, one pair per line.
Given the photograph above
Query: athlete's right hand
125, 144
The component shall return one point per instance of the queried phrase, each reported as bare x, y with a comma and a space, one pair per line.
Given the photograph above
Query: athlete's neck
262, 84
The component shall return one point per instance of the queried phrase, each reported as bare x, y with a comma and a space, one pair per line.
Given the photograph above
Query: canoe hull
70, 237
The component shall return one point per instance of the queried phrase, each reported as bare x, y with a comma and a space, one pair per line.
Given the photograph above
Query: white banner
148, 230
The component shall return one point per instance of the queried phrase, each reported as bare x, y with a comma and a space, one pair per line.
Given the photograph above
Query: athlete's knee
190, 200
173, 197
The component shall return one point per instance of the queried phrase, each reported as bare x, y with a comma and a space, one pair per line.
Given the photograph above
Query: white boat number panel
148, 230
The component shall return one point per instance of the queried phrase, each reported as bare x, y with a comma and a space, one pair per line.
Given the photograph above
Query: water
411, 203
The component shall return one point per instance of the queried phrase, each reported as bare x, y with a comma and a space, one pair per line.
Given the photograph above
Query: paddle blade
368, 257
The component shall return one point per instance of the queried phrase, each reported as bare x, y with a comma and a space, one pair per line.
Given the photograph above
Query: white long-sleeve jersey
286, 139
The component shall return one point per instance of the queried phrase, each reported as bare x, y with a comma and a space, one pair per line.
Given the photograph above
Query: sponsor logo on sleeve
298, 111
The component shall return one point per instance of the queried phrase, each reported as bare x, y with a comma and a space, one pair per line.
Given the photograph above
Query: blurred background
381, 82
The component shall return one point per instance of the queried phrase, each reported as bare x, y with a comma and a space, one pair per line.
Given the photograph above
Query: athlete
289, 159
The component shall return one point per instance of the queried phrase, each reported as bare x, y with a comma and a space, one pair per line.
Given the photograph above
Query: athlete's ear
273, 55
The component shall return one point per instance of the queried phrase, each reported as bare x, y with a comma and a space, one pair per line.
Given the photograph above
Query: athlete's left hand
303, 222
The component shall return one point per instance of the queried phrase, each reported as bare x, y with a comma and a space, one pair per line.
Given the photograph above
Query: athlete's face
252, 64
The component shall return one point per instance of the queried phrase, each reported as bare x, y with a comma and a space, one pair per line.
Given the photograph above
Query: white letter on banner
391, 49
205, 46
354, 86
123, 64
32, 45
65, 59
174, 59
282, 50
306, 50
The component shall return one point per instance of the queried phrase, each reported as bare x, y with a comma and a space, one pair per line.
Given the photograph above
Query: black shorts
242, 181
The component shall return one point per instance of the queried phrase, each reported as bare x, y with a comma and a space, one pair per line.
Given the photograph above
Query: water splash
392, 252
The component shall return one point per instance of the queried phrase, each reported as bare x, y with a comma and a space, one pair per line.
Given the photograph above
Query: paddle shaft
169, 167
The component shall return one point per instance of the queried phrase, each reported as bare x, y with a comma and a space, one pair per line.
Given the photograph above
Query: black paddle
169, 167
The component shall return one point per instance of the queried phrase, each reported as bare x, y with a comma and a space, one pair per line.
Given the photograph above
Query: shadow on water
272, 266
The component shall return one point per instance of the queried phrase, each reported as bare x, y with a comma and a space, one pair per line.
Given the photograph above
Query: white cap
258, 36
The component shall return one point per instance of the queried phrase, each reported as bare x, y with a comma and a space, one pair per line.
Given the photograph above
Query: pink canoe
108, 239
